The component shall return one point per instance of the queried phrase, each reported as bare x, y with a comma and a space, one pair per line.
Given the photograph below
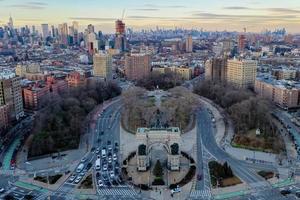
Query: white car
175, 190
77, 180
109, 160
104, 168
100, 183
115, 157
72, 178
83, 159
2, 190
111, 174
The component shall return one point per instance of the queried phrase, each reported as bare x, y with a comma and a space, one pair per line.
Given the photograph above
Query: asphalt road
205, 127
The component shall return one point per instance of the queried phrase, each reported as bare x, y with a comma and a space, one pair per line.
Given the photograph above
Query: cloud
33, 5
236, 8
36, 3
284, 10
163, 6
146, 9
95, 19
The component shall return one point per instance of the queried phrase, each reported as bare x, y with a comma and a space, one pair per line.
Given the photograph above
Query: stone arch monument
170, 138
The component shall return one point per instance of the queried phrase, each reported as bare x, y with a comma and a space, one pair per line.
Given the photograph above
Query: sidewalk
225, 132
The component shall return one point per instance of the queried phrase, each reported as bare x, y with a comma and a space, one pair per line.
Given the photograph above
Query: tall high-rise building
120, 27
241, 73
241, 43
76, 32
137, 66
11, 95
63, 33
215, 69
189, 44
45, 31
10, 23
120, 38
91, 28
92, 43
103, 65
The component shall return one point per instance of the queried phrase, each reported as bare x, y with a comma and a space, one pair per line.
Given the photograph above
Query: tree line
59, 127
247, 111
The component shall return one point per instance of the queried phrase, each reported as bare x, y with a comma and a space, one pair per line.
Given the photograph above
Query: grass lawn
52, 179
230, 181
266, 174
87, 183
258, 142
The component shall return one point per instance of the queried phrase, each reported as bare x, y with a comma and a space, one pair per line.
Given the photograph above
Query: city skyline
231, 15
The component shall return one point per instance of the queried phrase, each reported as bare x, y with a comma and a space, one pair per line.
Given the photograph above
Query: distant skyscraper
33, 30
45, 30
137, 66
120, 38
241, 73
91, 28
53, 31
241, 43
102, 65
120, 27
189, 44
10, 23
63, 33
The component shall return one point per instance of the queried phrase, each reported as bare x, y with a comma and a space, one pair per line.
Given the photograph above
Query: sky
230, 15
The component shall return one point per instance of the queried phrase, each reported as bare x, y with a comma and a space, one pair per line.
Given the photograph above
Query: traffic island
222, 175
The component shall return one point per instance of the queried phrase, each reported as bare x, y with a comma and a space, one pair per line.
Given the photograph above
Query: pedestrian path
30, 186
116, 192
201, 194
9, 154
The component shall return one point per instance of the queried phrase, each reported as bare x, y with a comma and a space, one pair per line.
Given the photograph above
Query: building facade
216, 69
285, 94
36, 96
241, 73
102, 66
137, 66
11, 95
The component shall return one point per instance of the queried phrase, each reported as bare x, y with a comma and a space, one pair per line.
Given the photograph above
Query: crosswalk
200, 194
116, 192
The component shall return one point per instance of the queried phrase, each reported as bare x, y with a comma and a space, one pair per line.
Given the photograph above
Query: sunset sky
255, 15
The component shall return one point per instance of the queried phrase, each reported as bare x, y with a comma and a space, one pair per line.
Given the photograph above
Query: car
109, 147
199, 177
285, 192
83, 159
176, 190
77, 180
111, 174
115, 157
2, 190
93, 149
297, 194
102, 132
89, 166
72, 178
98, 175
109, 160
82, 174
105, 177
98, 150
104, 167
100, 183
